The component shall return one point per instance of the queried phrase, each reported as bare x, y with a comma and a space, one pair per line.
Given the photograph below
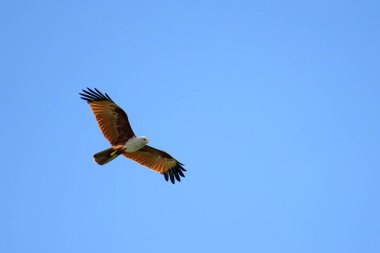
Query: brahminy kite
113, 123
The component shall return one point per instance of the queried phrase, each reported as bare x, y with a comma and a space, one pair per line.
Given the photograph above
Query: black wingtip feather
90, 95
107, 96
175, 173
181, 173
171, 176
177, 176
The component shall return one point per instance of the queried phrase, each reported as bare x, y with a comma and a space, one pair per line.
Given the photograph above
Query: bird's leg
118, 149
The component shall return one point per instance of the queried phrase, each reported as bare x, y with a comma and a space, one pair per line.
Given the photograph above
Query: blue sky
273, 107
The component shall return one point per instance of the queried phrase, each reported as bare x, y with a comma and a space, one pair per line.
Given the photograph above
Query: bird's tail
106, 156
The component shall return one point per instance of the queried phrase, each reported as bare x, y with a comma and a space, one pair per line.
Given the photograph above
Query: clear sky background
273, 107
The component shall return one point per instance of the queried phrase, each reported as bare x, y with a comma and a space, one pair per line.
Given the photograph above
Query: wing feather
159, 161
112, 120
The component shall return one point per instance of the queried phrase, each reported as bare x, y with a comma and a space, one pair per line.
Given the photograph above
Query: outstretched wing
159, 161
112, 120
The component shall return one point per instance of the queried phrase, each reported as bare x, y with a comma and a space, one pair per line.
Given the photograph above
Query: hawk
113, 123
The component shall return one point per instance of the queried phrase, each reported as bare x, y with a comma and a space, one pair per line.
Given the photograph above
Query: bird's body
114, 124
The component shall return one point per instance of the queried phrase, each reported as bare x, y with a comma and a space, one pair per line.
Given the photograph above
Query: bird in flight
113, 123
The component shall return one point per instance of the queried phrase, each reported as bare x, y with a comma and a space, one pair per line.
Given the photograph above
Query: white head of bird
136, 143
144, 139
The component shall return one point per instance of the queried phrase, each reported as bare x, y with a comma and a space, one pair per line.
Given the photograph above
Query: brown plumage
113, 123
